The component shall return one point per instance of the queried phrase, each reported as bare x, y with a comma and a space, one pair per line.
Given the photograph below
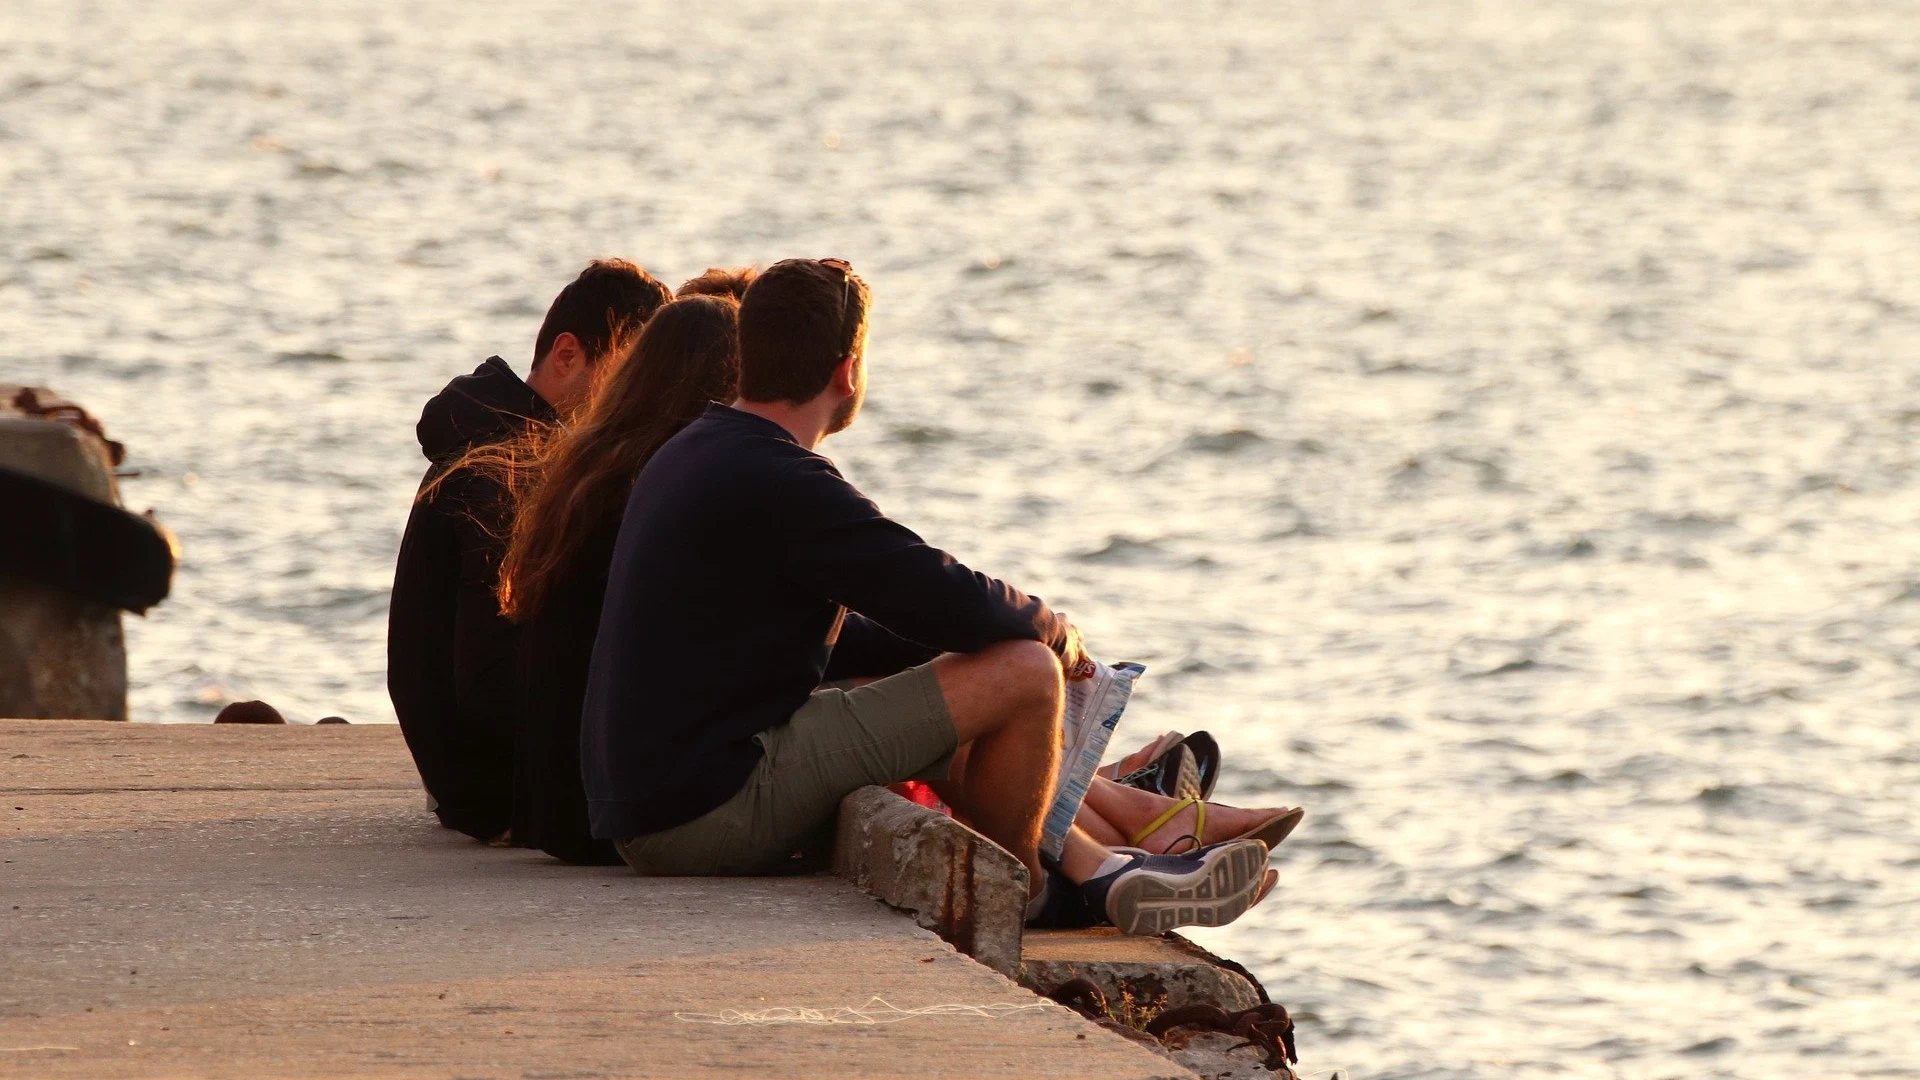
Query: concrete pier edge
952, 880
245, 901
973, 893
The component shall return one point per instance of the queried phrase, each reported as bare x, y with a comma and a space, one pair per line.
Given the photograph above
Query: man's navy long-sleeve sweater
743, 557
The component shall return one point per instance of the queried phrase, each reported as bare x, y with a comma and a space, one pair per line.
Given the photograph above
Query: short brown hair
719, 281
798, 321
602, 307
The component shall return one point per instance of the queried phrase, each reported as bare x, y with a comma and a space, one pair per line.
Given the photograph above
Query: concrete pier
245, 901
71, 559
60, 655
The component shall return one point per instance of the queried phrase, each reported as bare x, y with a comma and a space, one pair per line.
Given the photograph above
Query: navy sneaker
1064, 906
1156, 893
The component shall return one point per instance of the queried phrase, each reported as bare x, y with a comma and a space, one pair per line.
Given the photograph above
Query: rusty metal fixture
44, 404
1267, 1027
1083, 997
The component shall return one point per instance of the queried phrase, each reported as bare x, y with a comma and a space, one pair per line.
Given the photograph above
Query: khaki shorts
837, 743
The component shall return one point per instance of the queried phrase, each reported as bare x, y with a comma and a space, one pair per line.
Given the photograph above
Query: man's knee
1030, 670
1013, 681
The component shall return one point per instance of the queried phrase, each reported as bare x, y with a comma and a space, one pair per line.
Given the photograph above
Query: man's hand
1074, 661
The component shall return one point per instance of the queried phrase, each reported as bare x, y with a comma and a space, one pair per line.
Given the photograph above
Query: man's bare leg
1006, 702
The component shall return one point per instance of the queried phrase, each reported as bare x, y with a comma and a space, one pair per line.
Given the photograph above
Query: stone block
952, 880
58, 452
1143, 975
60, 656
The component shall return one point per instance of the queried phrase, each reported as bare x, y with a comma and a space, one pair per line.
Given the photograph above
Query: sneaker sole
1189, 775
1214, 895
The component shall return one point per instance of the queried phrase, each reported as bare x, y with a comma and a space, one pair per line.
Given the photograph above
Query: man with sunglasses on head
748, 573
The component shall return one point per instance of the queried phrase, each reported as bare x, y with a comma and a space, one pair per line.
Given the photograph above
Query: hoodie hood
487, 405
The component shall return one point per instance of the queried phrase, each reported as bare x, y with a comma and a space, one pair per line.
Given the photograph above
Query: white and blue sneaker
1152, 894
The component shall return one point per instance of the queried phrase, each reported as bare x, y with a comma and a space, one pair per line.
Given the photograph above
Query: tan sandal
1278, 827
1198, 835
1269, 832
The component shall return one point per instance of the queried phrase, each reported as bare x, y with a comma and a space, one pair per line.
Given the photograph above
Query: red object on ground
916, 792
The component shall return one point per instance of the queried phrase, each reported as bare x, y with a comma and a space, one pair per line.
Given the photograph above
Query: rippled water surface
1496, 421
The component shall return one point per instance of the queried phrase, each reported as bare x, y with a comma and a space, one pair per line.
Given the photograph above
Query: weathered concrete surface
954, 881
56, 452
1151, 973
59, 655
273, 901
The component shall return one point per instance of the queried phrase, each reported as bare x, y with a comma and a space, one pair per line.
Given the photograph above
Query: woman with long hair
569, 485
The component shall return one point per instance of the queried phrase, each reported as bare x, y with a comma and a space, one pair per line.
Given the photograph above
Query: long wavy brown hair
567, 482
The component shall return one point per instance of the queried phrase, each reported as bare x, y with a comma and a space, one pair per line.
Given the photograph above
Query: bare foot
1223, 823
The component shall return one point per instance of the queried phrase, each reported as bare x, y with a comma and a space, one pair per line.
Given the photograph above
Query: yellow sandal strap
1199, 821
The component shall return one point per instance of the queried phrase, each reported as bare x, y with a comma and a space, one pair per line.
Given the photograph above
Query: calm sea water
1496, 421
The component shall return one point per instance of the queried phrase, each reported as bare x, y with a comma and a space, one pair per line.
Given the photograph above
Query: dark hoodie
451, 656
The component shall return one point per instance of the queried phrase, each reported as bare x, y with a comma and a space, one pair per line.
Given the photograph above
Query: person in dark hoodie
451, 655
568, 485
